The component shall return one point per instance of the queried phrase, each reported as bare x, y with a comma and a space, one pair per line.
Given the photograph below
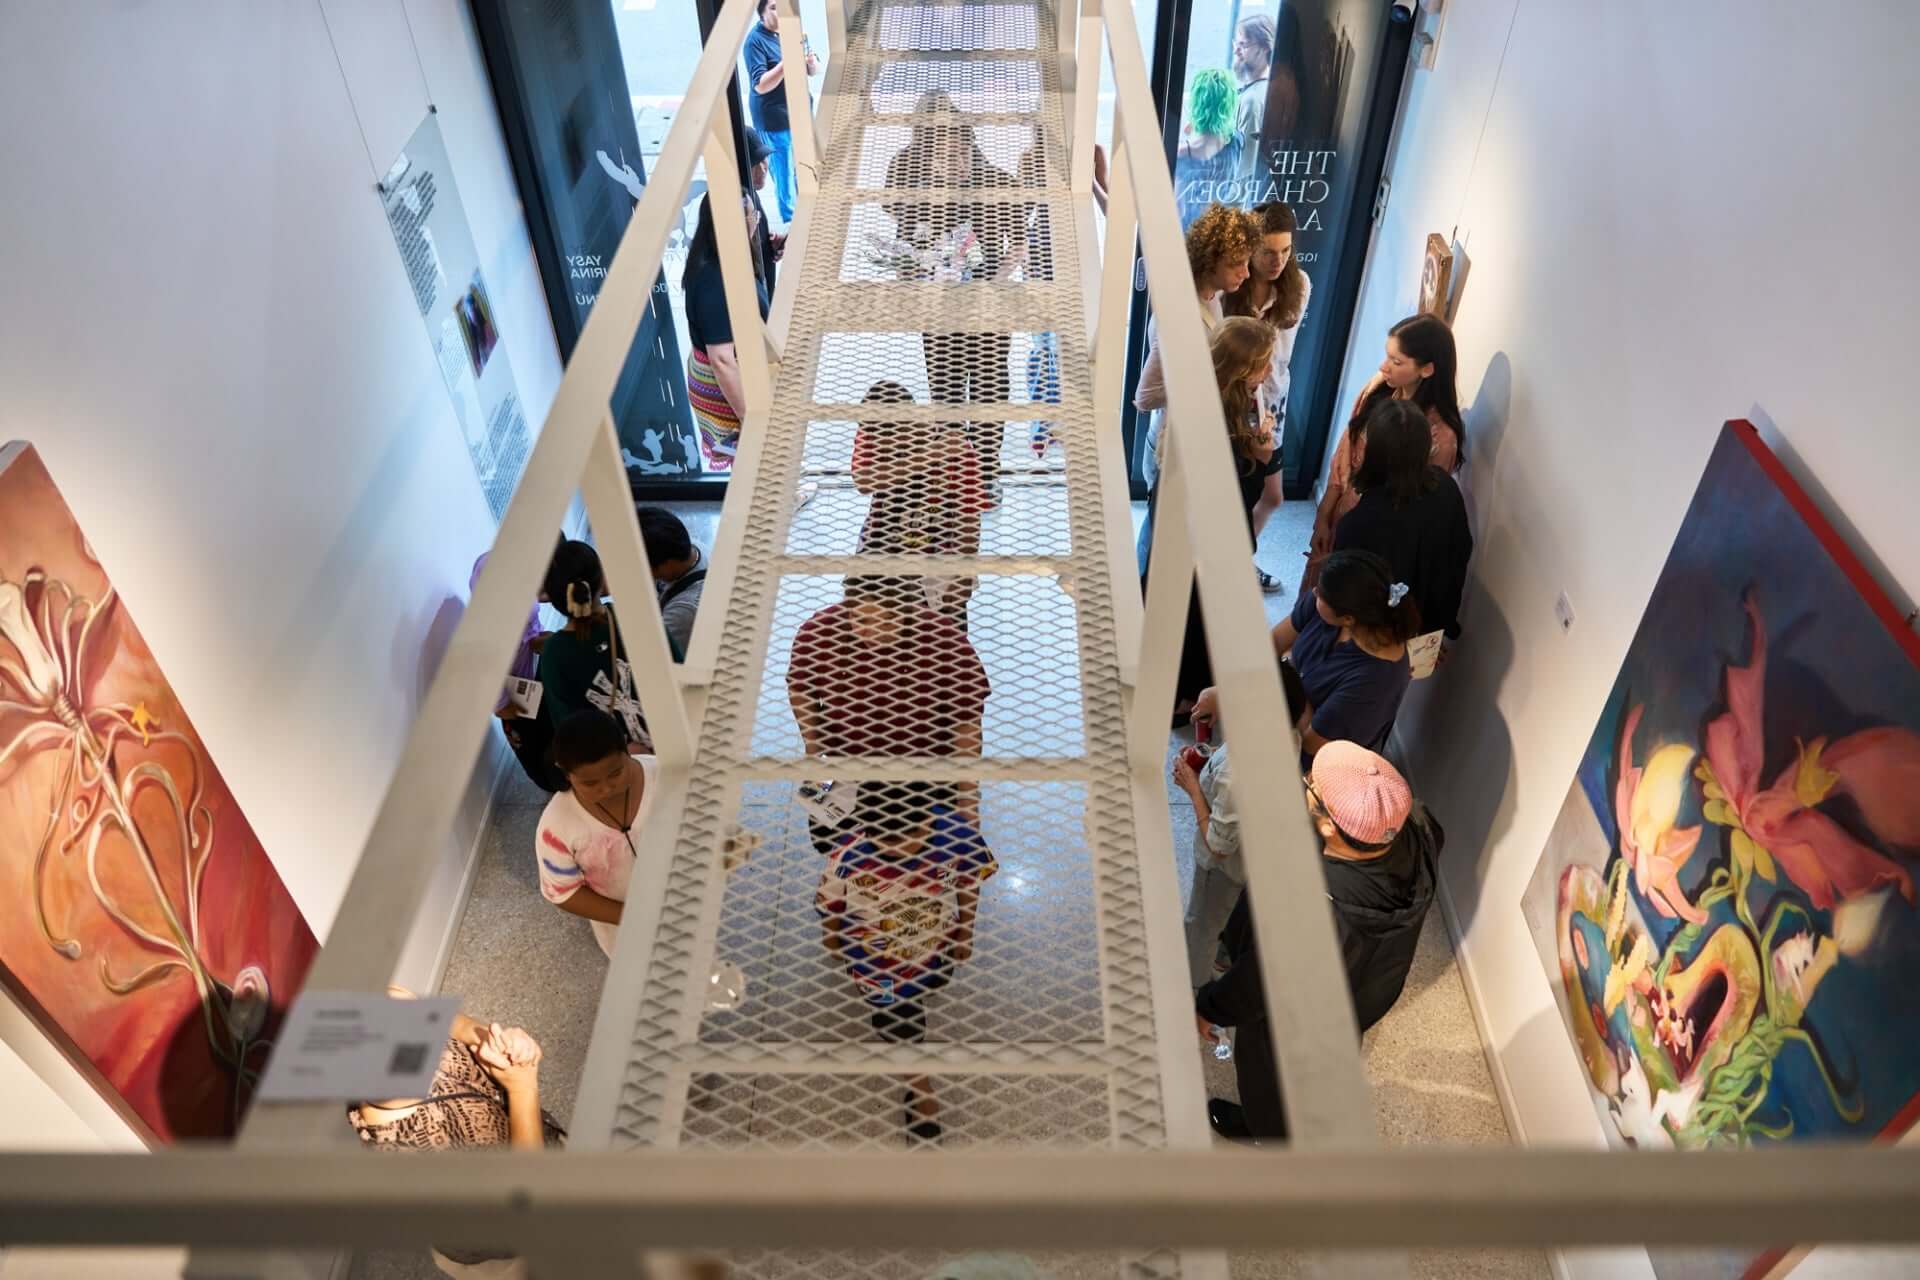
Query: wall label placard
436, 247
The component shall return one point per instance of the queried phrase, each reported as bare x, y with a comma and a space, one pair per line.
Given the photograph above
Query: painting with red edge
141, 922
1725, 908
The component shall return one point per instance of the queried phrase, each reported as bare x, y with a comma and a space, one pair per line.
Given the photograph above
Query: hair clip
1395, 594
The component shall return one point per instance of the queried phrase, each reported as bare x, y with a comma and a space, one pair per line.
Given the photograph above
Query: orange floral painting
141, 922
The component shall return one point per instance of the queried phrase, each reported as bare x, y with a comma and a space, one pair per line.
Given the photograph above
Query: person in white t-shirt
585, 848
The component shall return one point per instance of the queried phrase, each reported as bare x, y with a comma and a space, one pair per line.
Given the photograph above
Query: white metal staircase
1063, 1051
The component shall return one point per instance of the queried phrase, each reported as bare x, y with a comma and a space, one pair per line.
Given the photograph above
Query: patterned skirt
719, 428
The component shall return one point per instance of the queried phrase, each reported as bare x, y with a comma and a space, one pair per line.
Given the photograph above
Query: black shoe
1269, 584
919, 1126
1228, 1120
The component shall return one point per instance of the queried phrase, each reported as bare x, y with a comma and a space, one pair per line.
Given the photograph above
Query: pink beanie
1364, 795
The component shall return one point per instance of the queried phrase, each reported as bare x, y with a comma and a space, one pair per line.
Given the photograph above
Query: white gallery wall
1675, 215
206, 329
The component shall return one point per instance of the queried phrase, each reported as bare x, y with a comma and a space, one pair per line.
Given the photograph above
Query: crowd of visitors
889, 669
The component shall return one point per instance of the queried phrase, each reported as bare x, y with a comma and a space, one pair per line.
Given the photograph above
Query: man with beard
1252, 60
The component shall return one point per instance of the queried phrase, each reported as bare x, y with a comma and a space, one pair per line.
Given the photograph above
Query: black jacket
1428, 542
1379, 907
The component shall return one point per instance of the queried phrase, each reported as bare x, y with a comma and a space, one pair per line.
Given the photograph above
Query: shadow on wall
1835, 513
1451, 729
434, 643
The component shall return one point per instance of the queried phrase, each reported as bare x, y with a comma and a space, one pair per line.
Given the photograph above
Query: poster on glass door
443, 266
1265, 94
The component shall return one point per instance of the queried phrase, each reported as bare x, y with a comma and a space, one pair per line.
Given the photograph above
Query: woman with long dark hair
983, 240
715, 391
1410, 514
1348, 640
1276, 291
584, 664
1420, 366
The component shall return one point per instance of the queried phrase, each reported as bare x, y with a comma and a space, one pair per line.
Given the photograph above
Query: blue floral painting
1726, 906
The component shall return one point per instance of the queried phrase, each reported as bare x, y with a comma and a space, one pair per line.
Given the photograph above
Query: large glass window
659, 45
1290, 101
588, 90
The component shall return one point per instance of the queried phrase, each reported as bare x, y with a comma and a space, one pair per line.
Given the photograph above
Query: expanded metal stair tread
1045, 1037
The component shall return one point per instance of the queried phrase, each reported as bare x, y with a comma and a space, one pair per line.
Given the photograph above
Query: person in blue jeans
766, 75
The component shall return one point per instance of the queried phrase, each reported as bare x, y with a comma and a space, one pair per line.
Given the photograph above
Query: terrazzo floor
518, 960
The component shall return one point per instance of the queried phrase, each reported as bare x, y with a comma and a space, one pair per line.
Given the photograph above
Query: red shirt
906, 699
931, 497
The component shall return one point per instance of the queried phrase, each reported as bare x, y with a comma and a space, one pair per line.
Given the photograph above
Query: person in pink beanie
1379, 852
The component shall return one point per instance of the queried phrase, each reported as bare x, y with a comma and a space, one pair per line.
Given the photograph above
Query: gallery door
587, 92
1280, 100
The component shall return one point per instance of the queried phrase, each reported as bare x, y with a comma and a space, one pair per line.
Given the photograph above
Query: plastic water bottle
726, 987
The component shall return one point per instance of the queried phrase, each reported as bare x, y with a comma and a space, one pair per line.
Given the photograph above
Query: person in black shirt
715, 392
1379, 854
768, 245
1411, 513
766, 77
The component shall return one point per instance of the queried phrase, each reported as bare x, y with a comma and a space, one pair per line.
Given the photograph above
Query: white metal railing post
1170, 581
1109, 348
1086, 91
799, 91
623, 558
833, 86
430, 777
724, 195
1313, 1028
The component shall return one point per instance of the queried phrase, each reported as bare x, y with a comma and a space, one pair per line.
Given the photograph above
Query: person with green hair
1208, 161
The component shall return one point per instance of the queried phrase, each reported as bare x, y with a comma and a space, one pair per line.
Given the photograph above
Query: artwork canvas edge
69, 1053
1850, 565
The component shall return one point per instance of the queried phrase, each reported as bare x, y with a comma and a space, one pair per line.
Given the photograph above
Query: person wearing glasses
1252, 62
1380, 850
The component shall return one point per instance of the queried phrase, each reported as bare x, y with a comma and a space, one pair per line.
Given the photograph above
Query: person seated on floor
585, 847
679, 572
897, 901
585, 663
485, 1093
530, 737
1379, 854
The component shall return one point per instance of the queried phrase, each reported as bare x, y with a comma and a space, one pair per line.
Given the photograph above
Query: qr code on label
407, 1059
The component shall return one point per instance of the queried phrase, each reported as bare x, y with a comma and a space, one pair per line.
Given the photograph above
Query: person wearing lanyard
585, 849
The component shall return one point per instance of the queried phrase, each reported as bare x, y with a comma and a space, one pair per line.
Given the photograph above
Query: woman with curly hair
1276, 291
1219, 243
1209, 155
